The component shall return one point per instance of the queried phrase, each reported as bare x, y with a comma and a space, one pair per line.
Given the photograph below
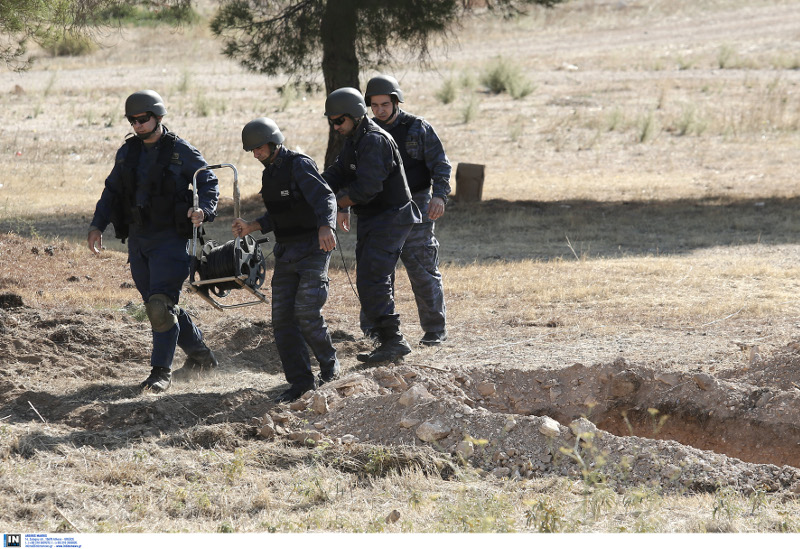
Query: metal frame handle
196, 203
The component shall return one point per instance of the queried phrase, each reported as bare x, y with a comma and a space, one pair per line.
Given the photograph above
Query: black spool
232, 261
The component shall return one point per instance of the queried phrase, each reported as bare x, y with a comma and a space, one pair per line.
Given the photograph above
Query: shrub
68, 45
447, 93
143, 14
503, 76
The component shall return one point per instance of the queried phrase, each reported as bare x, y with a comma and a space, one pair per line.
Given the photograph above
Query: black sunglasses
139, 119
337, 121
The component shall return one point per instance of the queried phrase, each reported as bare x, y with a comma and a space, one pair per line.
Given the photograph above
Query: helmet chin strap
272, 156
148, 135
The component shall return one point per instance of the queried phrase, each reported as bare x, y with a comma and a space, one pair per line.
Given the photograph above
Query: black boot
201, 361
159, 381
294, 392
197, 363
326, 376
393, 346
433, 338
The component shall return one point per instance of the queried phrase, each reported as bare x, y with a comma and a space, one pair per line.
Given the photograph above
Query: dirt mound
69, 343
502, 422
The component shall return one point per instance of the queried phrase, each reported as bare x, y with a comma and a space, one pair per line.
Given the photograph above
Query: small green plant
235, 467
48, 88
226, 528
658, 422
615, 119
726, 56
647, 128
471, 109
448, 92
137, 311
467, 81
503, 76
204, 106
475, 511
601, 500
186, 81
204, 502
725, 503
544, 516
415, 500
313, 490
686, 63
758, 501
787, 522
588, 459
378, 461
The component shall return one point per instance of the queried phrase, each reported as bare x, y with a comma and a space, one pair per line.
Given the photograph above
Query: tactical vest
395, 191
161, 204
293, 218
417, 173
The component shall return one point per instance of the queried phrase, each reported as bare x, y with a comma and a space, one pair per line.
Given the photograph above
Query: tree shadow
495, 229
583, 229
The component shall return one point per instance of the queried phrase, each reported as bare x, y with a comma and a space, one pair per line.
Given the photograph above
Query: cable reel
237, 264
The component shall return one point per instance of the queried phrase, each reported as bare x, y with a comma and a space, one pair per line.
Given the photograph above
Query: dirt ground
628, 391
76, 370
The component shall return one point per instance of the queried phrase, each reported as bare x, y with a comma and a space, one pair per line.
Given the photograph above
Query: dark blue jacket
369, 170
308, 186
421, 143
185, 161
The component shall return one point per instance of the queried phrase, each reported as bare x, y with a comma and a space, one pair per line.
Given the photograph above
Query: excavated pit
754, 424
626, 423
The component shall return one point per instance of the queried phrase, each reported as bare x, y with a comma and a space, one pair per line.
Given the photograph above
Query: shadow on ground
542, 230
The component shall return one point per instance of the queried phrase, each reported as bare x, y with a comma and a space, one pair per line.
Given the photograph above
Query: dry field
635, 262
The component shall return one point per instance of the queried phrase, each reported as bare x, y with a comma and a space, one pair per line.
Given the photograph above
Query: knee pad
162, 312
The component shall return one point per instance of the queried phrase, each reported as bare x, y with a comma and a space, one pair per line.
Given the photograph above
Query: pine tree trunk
339, 60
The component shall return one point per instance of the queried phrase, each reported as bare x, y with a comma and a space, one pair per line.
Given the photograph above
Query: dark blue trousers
379, 241
420, 257
160, 265
299, 291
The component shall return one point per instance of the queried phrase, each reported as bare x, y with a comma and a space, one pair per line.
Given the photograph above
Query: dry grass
248, 490
640, 202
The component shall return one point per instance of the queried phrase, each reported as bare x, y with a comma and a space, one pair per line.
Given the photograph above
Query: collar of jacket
362, 129
400, 114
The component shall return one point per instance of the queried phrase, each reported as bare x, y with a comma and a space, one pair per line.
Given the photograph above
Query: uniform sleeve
316, 191
334, 175
375, 163
266, 223
436, 160
207, 182
102, 211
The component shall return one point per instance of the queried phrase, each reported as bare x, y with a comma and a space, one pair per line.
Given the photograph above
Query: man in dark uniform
301, 212
368, 175
148, 199
428, 174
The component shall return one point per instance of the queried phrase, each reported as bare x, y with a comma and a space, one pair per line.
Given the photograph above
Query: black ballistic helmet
145, 101
345, 101
259, 132
383, 84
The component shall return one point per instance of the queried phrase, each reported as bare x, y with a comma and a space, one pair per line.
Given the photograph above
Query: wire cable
344, 264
